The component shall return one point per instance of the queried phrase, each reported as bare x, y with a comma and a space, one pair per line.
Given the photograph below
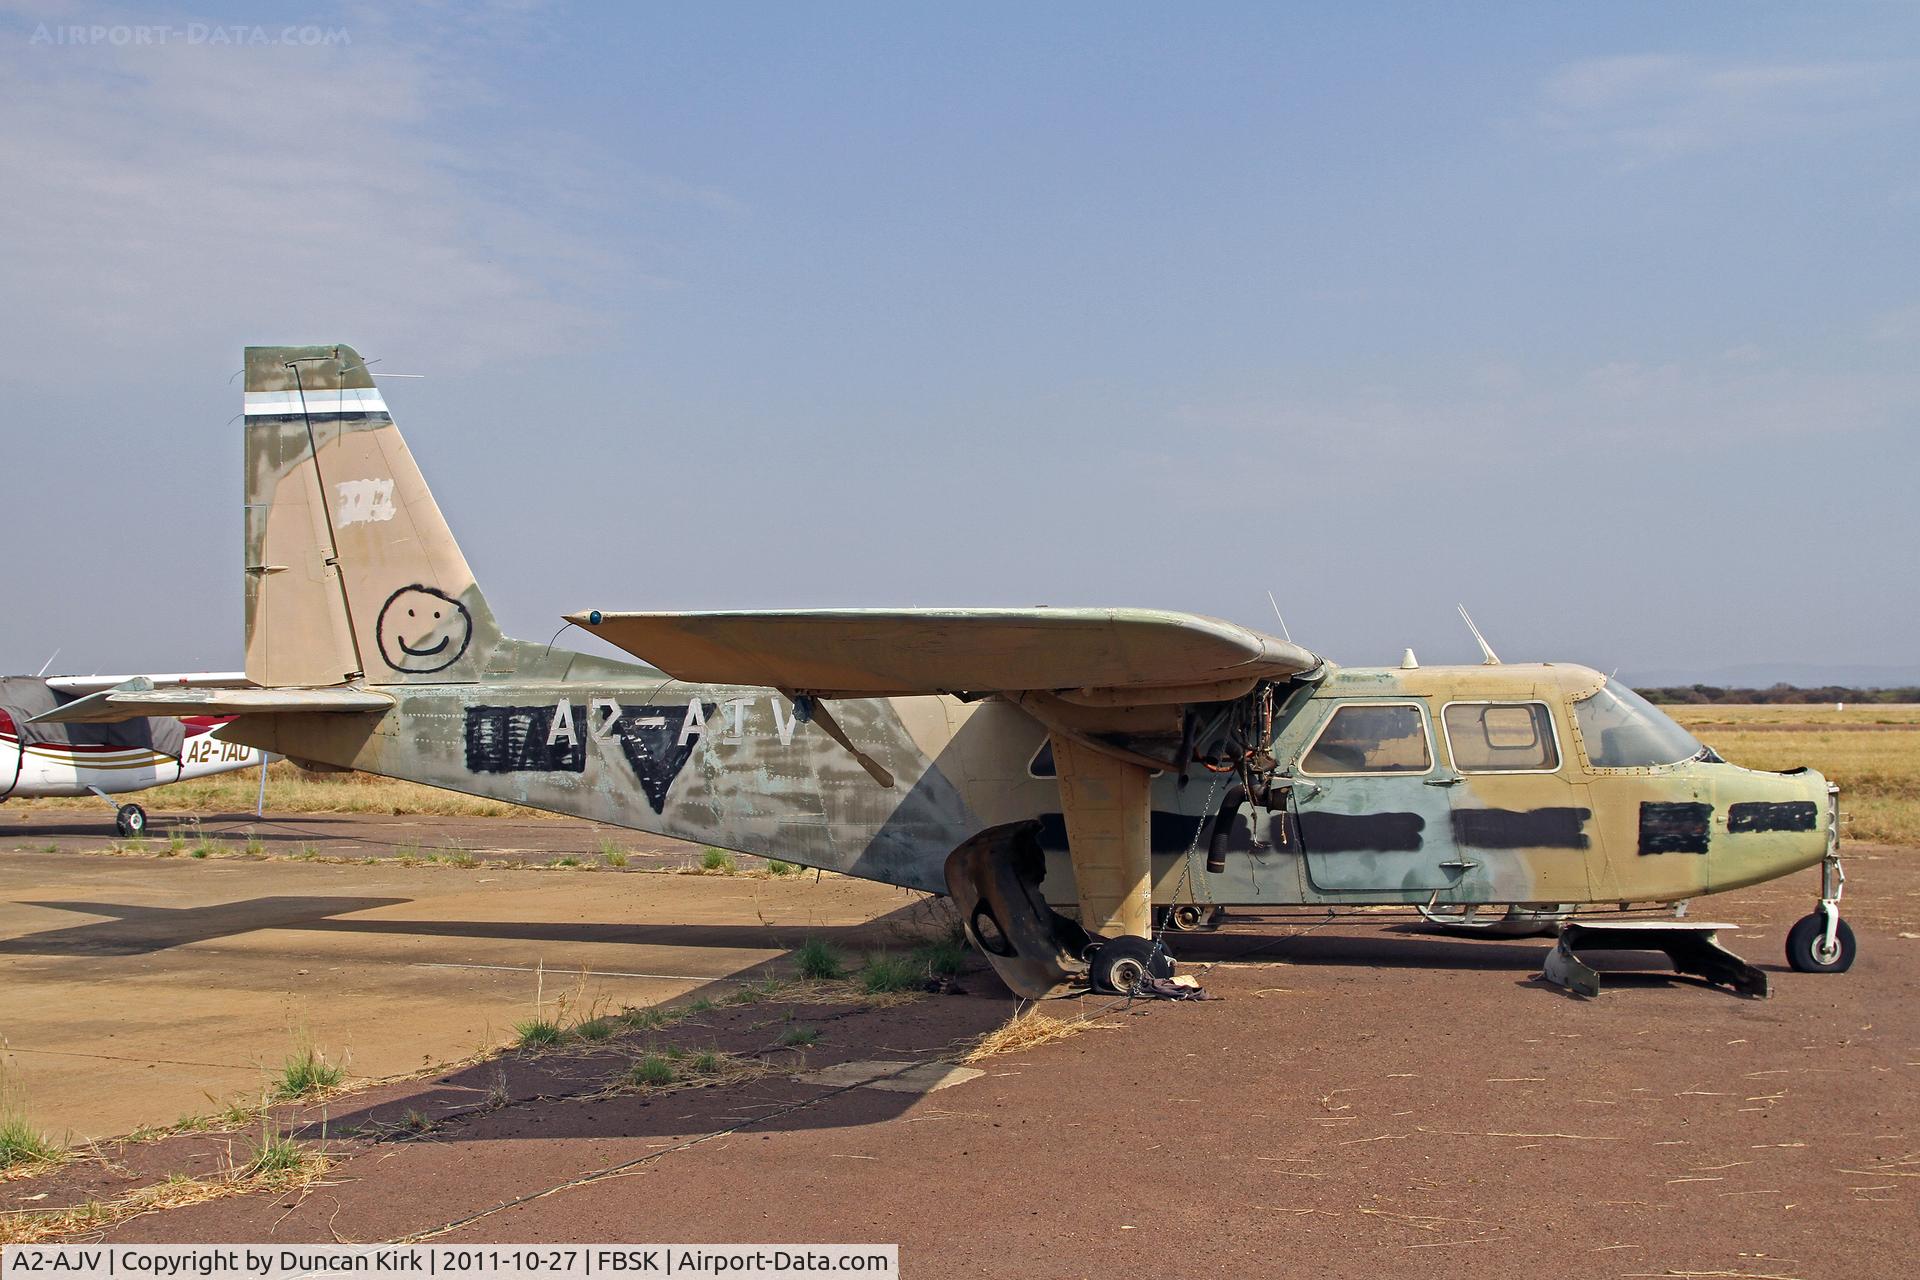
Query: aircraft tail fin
352, 572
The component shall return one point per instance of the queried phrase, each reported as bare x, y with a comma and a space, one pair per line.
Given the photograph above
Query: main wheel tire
1187, 917
1804, 950
1121, 966
130, 820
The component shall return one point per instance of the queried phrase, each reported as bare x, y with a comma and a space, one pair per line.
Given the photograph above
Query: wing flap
130, 701
894, 652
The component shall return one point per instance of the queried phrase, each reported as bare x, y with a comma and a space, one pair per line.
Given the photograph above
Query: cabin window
1501, 737
1371, 738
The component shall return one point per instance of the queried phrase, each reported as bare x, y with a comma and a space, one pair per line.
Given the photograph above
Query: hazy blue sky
1601, 318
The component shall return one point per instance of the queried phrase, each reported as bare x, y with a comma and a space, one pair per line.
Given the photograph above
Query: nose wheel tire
130, 820
1121, 966
1807, 949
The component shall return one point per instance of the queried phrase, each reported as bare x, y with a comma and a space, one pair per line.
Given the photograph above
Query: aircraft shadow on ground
141, 930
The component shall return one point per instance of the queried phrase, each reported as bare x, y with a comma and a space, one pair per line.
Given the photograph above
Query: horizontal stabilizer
892, 652
138, 698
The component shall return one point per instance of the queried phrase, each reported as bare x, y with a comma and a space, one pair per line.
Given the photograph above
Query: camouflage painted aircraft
1061, 773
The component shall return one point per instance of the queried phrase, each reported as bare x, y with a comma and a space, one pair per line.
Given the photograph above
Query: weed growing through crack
817, 961
652, 1018
754, 992
538, 1033
22, 1144
306, 1073
718, 860
885, 973
799, 1037
276, 1153
943, 958
653, 1070
595, 1030
775, 867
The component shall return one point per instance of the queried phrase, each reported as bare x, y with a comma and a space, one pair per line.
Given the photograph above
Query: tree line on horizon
1779, 693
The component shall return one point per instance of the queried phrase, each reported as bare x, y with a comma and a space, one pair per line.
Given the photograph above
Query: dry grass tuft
1030, 1030
278, 1164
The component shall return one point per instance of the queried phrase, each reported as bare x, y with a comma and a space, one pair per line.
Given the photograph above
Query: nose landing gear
1822, 942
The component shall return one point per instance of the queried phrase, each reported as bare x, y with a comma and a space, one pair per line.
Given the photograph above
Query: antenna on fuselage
56, 653
1488, 657
1283, 622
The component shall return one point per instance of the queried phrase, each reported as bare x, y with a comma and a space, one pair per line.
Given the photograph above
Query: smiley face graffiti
422, 629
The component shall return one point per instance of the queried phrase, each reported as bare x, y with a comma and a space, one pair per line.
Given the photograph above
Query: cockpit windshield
1622, 730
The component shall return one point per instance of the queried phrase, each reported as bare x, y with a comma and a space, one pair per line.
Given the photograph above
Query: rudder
352, 572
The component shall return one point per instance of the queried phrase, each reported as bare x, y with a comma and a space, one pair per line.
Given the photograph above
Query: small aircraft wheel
1119, 967
130, 820
1186, 917
1806, 954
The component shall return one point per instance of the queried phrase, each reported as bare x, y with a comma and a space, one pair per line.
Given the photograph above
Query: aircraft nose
1774, 824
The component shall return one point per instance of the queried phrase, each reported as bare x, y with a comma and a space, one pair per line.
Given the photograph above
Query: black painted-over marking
1675, 828
1361, 832
1759, 815
654, 751
514, 740
1551, 828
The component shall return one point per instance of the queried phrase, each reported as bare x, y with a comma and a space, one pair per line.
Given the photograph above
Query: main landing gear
1121, 966
130, 820
1822, 942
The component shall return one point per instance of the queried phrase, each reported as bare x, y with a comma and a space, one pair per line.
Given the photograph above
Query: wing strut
818, 713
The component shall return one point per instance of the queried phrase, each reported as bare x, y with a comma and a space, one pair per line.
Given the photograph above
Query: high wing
1135, 655
138, 698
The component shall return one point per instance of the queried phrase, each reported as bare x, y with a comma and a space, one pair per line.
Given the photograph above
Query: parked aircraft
43, 757
1060, 772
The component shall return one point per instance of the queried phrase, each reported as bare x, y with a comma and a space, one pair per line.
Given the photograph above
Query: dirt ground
1364, 1099
139, 990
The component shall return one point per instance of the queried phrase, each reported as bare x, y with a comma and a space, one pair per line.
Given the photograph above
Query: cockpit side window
1501, 737
1371, 738
1622, 730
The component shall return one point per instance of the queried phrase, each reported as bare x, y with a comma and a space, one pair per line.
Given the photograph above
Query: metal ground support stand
1693, 947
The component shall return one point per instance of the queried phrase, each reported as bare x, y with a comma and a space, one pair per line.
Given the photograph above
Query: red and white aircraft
42, 759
